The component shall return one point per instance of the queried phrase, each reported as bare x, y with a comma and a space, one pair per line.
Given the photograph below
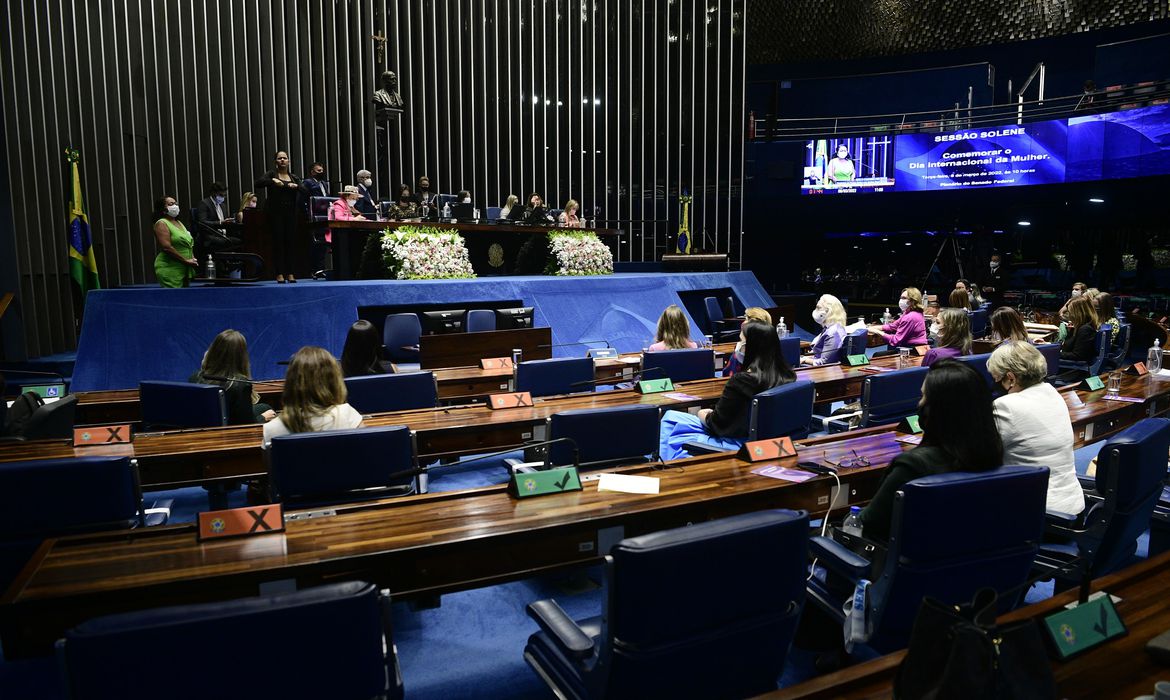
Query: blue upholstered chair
85, 494
319, 207
561, 375
679, 365
481, 320
887, 397
1051, 353
182, 405
722, 629
604, 436
979, 364
782, 411
1119, 351
978, 319
341, 466
493, 213
855, 344
332, 641
717, 324
1118, 504
951, 535
790, 350
379, 393
400, 333
1103, 344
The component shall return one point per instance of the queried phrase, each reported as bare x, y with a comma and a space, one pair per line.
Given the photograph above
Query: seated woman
726, 425
958, 434
909, 329
569, 217
313, 398
1107, 313
1007, 325
952, 329
959, 299
509, 205
752, 313
247, 203
1034, 423
226, 363
362, 354
674, 331
404, 207
175, 264
829, 344
1080, 344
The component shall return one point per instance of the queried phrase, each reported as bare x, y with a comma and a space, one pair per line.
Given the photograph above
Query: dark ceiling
798, 31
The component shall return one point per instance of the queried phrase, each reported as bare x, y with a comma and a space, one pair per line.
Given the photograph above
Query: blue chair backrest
679, 365
604, 435
790, 350
560, 375
855, 343
891, 396
493, 213
1051, 353
399, 332
319, 207
978, 322
784, 410
333, 636
979, 364
714, 313
951, 535
392, 392
1104, 343
1130, 470
340, 466
481, 320
182, 405
1119, 351
657, 622
52, 497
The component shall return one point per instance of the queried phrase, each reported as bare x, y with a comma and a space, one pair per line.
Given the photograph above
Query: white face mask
467, 200
1076, 293
173, 211
368, 182
994, 265
903, 304
819, 316
219, 199
935, 329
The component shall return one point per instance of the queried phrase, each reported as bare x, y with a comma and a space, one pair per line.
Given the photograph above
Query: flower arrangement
425, 253
578, 253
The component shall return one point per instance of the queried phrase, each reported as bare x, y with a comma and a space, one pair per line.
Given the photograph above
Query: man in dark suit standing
996, 282
211, 217
367, 202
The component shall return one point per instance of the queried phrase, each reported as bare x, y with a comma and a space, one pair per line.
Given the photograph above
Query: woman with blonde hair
226, 363
569, 217
909, 329
1080, 345
751, 313
248, 201
829, 314
314, 397
674, 331
509, 205
952, 328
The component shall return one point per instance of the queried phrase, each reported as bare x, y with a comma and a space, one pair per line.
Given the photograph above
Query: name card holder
102, 435
857, 360
654, 386
1138, 369
1093, 383
496, 363
542, 483
240, 522
758, 450
602, 353
1083, 627
910, 424
519, 399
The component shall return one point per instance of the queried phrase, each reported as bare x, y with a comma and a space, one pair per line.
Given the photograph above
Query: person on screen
840, 168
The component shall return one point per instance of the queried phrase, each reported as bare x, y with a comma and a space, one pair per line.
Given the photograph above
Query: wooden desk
424, 544
1118, 669
467, 349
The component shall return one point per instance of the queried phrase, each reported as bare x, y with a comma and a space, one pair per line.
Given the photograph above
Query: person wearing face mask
315, 184
829, 314
1078, 290
367, 202
175, 264
428, 201
1034, 422
403, 206
211, 216
952, 330
958, 433
247, 203
751, 313
995, 283
282, 190
909, 329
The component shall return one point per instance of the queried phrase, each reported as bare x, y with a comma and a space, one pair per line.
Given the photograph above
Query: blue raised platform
137, 334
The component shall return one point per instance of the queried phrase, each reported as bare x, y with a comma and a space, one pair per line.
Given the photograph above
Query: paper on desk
1130, 399
679, 396
630, 360
784, 473
1163, 373
627, 483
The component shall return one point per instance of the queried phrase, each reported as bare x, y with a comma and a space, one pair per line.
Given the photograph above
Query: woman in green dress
840, 169
175, 264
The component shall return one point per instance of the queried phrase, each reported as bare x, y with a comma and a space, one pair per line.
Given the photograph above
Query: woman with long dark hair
1008, 325
226, 363
726, 425
959, 434
362, 354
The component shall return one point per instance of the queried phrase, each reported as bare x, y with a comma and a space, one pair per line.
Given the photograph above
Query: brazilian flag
82, 264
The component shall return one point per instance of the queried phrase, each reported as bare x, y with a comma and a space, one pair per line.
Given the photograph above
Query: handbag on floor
958, 652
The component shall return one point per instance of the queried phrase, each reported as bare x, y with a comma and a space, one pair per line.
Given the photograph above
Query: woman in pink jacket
909, 329
343, 209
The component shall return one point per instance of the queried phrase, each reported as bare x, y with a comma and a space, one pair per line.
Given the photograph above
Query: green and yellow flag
82, 264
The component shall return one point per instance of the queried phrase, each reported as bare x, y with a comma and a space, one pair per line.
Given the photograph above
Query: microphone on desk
527, 445
638, 376
579, 342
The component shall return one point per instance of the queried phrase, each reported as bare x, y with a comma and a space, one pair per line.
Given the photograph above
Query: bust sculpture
387, 99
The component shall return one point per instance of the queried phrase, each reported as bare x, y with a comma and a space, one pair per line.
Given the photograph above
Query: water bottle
852, 524
1154, 358
210, 267
517, 356
447, 210
861, 320
781, 329
886, 317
